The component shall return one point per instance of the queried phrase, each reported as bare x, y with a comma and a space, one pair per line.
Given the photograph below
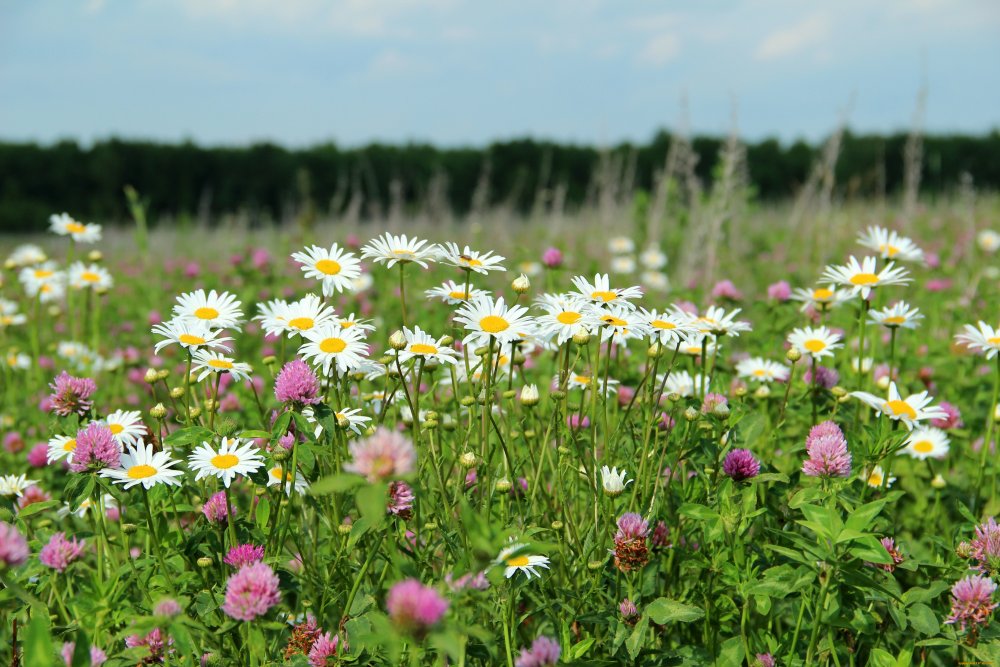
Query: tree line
272, 183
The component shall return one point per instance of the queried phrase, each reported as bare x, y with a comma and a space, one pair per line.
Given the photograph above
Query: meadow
629, 434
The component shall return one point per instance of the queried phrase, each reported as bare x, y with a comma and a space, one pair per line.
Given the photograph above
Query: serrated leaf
923, 620
662, 611
35, 508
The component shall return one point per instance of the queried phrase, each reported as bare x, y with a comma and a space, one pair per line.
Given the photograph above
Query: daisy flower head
333, 266
83, 276
621, 245
909, 411
351, 321
581, 381
716, 321
229, 459
981, 338
487, 319
623, 264
420, 344
277, 474
63, 225
565, 317
208, 362
215, 310
126, 426
453, 293
692, 346
613, 481
61, 447
898, 315
600, 293
281, 317
140, 465
620, 324
667, 327
392, 250
331, 347
653, 258
27, 254
817, 342
875, 478
514, 560
468, 259
681, 383
189, 334
927, 442
988, 241
15, 485
655, 280
861, 277
762, 370
891, 245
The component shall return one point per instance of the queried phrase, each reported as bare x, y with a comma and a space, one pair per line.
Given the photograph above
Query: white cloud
660, 50
790, 41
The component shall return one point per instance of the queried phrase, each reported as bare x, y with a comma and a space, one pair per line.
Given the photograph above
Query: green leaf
255, 434
634, 642
771, 477
371, 500
35, 508
860, 519
338, 483
881, 658
662, 611
698, 512
731, 652
871, 550
39, 651
923, 620
189, 435
263, 512
580, 649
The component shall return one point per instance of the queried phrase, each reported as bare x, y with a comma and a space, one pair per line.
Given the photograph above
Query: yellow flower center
43, 273
115, 428
993, 341
814, 345
346, 324
604, 296
901, 409
461, 296
494, 324
518, 561
206, 313
75, 228
662, 324
895, 319
613, 321
889, 250
875, 479
923, 447
90, 277
225, 461
332, 345
822, 294
402, 251
864, 279
278, 473
469, 261
760, 372
69, 446
328, 267
568, 317
221, 364
141, 471
301, 323
582, 379
423, 348
191, 339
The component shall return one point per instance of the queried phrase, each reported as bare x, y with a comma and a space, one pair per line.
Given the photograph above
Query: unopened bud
762, 391
529, 395
481, 351
95, 256
740, 392
279, 454
503, 485
430, 424
938, 482
557, 525
467, 401
721, 410
344, 528
581, 338
204, 561
158, 411
397, 341
509, 394
691, 414
793, 355
557, 395
430, 525
838, 391
55, 311
654, 351
673, 397
163, 374
595, 565
467, 460
194, 411
521, 284
129, 528
447, 341
270, 360
176, 392
151, 376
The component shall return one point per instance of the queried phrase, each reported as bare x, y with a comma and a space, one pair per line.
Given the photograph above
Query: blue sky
458, 72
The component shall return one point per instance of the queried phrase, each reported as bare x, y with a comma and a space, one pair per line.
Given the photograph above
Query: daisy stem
704, 365
215, 401
892, 350
814, 389
95, 320
361, 575
402, 291
862, 326
157, 547
231, 523
989, 437
187, 389
784, 402
507, 639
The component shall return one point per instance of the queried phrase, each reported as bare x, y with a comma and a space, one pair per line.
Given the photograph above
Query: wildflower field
586, 440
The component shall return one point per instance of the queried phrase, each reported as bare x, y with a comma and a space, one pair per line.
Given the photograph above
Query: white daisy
82, 276
599, 291
334, 267
140, 465
280, 317
126, 426
668, 327
61, 447
623, 264
276, 475
653, 258
876, 477
581, 381
352, 321
215, 310
897, 315
716, 321
356, 421
85, 505
26, 254
454, 293
230, 459
15, 485
890, 245
820, 298
566, 318
469, 259
421, 344
988, 241
909, 411
18, 361
619, 324
487, 319
681, 383
861, 278
398, 249
362, 282
655, 280
927, 442
984, 339
209, 362
330, 346
613, 481
189, 334
762, 370
693, 345
817, 342
514, 560
63, 225
620, 245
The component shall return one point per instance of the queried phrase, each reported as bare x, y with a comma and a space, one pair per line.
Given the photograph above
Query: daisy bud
467, 460
357, 376
467, 401
269, 360
721, 410
481, 351
938, 482
192, 378
447, 341
557, 395
503, 485
793, 355
151, 376
838, 391
430, 365
430, 424
519, 358
194, 411
521, 284
529, 395
204, 561
691, 414
529, 434
158, 411
397, 341
55, 311
844, 399
386, 360
996, 413
654, 351
344, 529
509, 394
673, 397
177, 392
208, 405
129, 528
430, 525
557, 525
740, 392
280, 454
95, 256
163, 374
564, 451
595, 565
370, 431
581, 338
883, 382
762, 391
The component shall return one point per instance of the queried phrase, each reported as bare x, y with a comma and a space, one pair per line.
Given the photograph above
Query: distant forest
269, 183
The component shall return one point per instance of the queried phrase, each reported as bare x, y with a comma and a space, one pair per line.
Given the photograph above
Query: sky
467, 72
